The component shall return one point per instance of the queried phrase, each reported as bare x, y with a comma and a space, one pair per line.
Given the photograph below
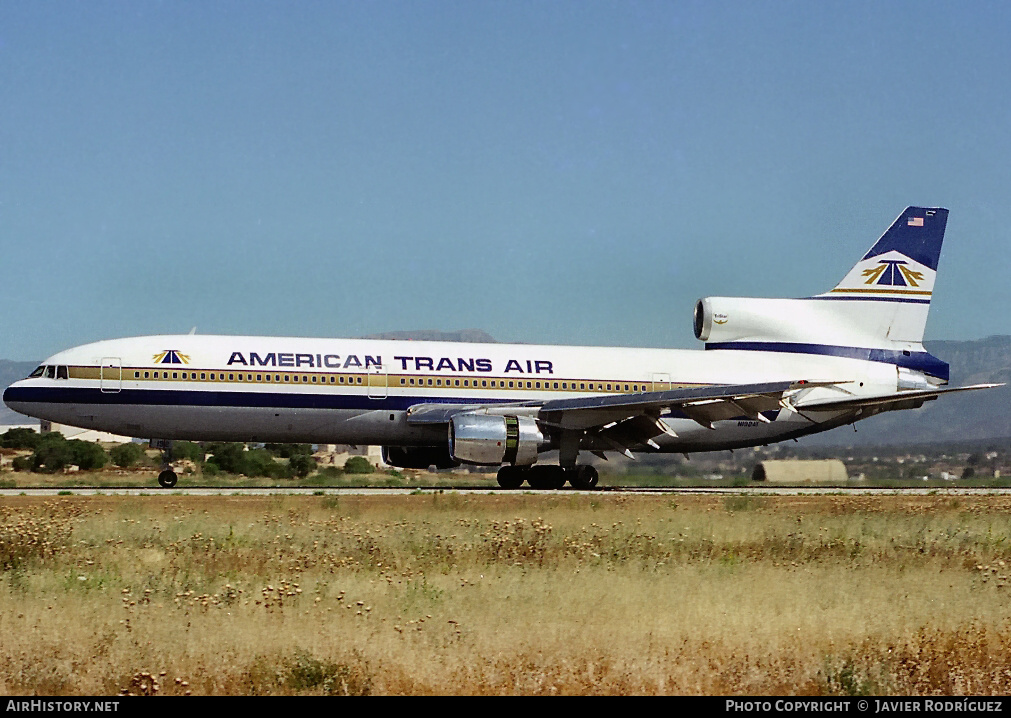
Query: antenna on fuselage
193, 331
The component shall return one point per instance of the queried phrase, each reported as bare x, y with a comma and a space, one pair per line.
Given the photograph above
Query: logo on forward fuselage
171, 356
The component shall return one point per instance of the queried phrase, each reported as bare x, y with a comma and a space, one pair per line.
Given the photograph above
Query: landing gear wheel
546, 477
167, 478
510, 477
583, 477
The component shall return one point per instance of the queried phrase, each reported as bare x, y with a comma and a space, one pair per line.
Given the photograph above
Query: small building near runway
796, 471
338, 454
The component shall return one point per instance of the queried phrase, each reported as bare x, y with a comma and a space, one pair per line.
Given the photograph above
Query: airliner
771, 370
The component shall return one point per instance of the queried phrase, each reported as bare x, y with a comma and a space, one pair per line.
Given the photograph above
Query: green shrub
52, 454
22, 463
187, 450
260, 462
234, 459
358, 465
20, 439
88, 456
127, 454
227, 457
302, 464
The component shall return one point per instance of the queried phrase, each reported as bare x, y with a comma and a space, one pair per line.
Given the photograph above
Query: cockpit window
50, 372
61, 372
38, 372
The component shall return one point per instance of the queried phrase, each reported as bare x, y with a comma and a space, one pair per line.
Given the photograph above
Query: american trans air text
406, 363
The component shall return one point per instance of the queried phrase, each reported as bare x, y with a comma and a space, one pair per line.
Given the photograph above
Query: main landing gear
547, 477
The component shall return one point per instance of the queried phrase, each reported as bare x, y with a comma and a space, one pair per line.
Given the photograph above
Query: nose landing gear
167, 478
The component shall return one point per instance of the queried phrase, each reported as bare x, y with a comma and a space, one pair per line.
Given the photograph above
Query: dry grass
112, 477
505, 594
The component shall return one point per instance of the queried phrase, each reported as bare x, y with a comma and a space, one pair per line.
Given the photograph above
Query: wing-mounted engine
492, 440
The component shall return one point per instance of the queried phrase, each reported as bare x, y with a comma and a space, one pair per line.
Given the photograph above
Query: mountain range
971, 415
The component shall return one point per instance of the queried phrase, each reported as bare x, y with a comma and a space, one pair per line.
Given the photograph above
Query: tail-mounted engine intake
875, 330
494, 440
721, 320
735, 319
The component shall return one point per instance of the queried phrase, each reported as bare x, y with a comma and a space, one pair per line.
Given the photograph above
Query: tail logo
902, 265
171, 356
894, 273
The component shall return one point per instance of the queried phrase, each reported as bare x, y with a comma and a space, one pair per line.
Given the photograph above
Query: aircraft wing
620, 421
704, 404
623, 420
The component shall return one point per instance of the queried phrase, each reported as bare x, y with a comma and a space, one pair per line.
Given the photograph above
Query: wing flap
702, 404
676, 397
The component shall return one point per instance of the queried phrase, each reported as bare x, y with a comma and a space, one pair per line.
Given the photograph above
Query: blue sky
556, 172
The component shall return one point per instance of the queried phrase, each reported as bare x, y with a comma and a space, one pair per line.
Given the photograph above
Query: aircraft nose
10, 393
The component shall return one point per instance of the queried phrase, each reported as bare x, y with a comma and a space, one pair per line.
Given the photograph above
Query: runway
365, 491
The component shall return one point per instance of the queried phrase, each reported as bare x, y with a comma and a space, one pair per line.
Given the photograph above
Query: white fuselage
357, 391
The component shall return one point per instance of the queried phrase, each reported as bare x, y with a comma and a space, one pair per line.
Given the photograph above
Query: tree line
53, 452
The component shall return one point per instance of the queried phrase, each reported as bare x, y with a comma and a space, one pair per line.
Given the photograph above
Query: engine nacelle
418, 457
493, 440
805, 321
861, 326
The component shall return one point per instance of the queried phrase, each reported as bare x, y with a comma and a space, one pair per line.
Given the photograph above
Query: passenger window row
61, 372
247, 377
514, 384
404, 381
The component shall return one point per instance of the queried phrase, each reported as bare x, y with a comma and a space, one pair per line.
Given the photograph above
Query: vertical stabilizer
902, 264
878, 311
897, 275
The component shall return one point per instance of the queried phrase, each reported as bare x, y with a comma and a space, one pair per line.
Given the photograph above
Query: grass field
505, 594
112, 477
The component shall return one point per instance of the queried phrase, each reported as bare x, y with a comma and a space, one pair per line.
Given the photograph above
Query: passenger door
110, 373
378, 382
661, 382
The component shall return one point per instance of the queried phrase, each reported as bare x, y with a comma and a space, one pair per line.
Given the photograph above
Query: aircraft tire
546, 477
583, 477
510, 477
167, 479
